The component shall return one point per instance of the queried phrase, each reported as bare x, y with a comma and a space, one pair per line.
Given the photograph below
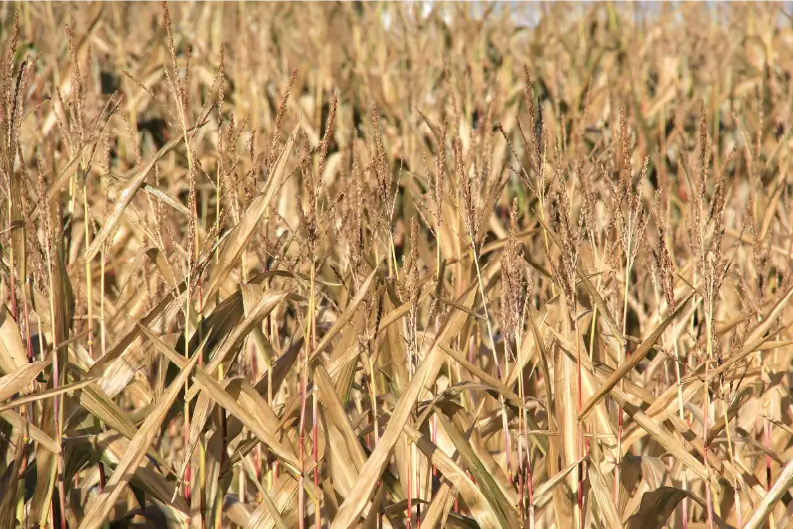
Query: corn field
396, 265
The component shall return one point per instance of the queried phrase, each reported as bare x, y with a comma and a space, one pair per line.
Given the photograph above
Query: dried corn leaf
98, 510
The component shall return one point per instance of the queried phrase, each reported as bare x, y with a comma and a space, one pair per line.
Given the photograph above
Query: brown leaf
219, 395
626, 367
659, 504
98, 510
426, 372
238, 237
16, 381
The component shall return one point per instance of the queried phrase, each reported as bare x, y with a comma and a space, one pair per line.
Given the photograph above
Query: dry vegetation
374, 265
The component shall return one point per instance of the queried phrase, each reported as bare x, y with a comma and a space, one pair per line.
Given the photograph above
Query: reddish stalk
317, 516
301, 500
311, 324
580, 497
410, 490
